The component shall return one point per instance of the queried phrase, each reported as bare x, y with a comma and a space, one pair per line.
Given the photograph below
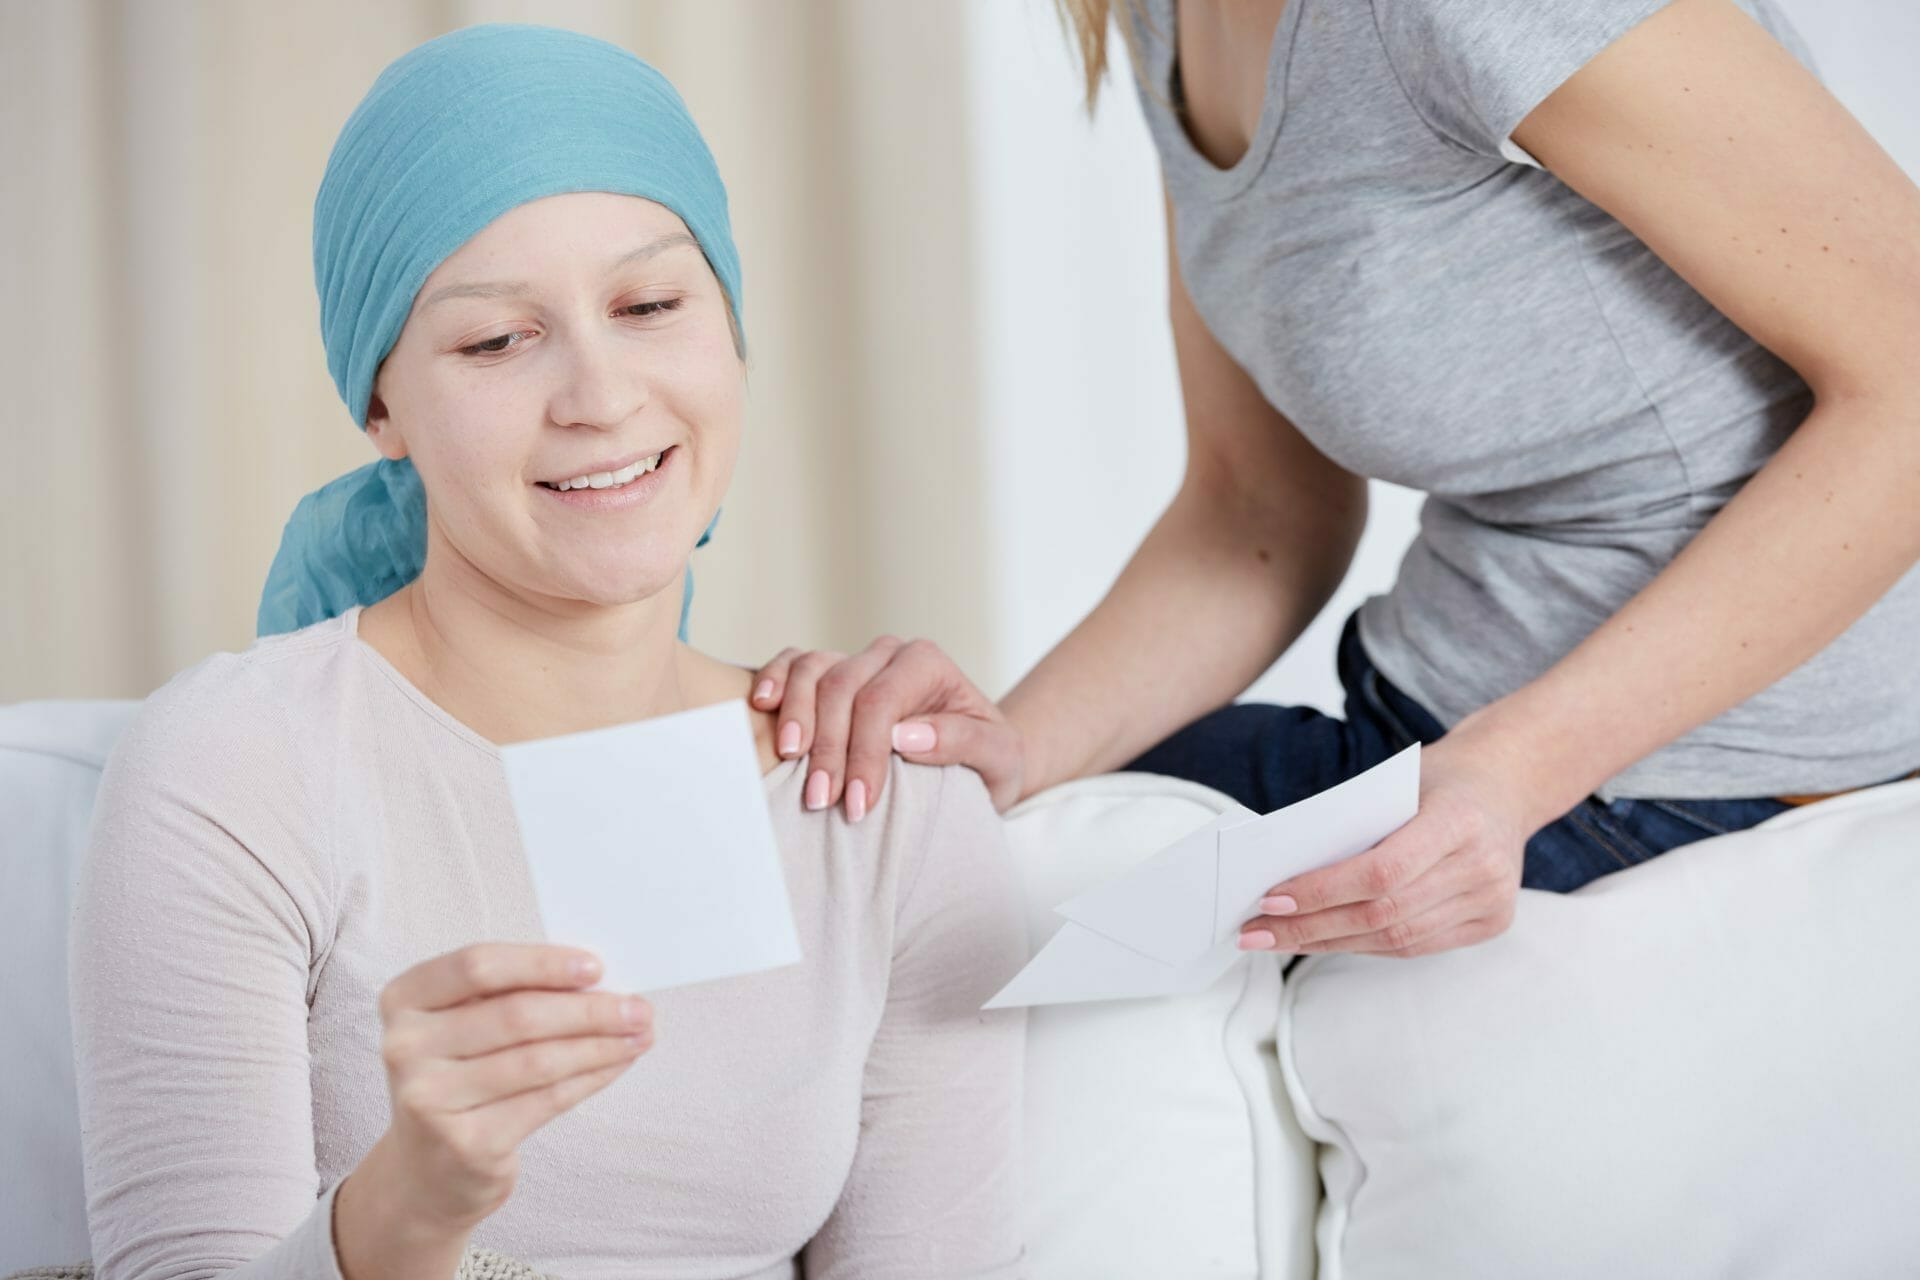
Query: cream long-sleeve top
282, 831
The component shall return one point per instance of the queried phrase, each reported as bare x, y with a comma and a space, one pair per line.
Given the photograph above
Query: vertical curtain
167, 400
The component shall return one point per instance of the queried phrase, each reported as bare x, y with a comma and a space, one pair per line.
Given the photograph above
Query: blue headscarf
453, 134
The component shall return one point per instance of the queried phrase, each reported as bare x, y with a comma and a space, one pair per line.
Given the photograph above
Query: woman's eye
492, 346
504, 343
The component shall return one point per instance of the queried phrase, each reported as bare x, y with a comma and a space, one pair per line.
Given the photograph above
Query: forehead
578, 233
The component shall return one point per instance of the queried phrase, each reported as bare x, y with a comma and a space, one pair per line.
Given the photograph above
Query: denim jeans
1267, 757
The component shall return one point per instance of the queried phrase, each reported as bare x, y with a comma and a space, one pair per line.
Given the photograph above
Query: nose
600, 384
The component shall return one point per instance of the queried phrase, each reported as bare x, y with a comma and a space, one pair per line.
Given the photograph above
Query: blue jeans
1267, 757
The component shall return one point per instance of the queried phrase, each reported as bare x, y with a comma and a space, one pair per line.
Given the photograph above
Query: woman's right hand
482, 1046
851, 713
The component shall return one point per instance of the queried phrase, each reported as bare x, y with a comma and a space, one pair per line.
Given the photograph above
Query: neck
513, 670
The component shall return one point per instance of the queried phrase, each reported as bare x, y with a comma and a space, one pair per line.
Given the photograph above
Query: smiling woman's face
575, 334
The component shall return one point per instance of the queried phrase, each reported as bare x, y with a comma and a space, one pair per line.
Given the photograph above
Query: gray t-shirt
1431, 308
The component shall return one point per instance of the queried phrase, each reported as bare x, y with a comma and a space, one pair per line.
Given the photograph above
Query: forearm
374, 1236
1219, 589
1807, 546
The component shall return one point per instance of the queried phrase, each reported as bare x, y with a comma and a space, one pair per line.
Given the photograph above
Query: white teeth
611, 479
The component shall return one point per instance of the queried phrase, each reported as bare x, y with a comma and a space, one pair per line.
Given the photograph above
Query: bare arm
1247, 554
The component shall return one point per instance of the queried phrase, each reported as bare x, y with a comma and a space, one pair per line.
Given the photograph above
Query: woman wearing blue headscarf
316, 1031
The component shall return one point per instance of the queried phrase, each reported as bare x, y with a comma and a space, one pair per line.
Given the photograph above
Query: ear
381, 431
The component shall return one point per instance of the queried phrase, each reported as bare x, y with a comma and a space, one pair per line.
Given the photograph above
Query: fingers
486, 1026
991, 748
797, 711
475, 1082
484, 969
1459, 922
913, 679
516, 1117
1387, 868
770, 681
833, 721
1380, 916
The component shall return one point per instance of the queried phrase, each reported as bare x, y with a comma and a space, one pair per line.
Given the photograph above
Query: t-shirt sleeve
933, 1192
1474, 69
198, 913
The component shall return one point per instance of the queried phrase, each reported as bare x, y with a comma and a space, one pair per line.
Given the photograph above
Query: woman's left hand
1446, 879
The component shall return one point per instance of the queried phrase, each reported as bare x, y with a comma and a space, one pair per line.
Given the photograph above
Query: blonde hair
1086, 23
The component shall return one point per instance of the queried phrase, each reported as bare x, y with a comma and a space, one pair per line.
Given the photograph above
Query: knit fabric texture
475, 1264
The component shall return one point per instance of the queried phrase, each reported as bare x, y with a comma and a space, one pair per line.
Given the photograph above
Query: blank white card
650, 844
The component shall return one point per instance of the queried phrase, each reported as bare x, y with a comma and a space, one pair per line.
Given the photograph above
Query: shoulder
925, 802
220, 787
937, 826
231, 706
1474, 70
232, 753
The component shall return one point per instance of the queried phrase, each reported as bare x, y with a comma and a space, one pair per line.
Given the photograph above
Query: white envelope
1170, 925
650, 844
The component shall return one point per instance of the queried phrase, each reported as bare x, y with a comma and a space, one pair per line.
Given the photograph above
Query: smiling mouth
608, 479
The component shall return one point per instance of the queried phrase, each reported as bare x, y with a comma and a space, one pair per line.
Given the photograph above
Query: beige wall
167, 400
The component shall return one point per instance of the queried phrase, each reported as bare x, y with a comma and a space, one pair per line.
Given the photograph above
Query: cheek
712, 392
471, 465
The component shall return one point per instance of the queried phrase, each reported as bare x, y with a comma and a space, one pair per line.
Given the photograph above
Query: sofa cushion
1703, 1066
1156, 1141
51, 754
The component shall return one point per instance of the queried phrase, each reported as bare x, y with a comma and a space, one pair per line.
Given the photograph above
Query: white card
650, 844
1170, 924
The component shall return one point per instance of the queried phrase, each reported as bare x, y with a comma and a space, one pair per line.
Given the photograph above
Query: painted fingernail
789, 737
856, 800
1256, 940
1279, 905
764, 692
913, 737
817, 790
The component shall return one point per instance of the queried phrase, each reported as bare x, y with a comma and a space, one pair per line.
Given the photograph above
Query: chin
625, 588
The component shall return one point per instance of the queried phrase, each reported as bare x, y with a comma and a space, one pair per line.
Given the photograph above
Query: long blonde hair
1086, 23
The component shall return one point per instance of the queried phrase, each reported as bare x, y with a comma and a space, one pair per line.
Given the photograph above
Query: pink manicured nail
856, 800
913, 737
1279, 905
764, 692
789, 738
817, 790
1256, 940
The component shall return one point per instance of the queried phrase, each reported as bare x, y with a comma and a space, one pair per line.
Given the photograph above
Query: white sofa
1705, 1066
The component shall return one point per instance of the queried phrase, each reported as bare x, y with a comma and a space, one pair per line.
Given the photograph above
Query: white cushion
1156, 1142
1708, 1065
51, 754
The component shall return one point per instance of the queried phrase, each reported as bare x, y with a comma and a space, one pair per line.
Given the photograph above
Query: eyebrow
517, 288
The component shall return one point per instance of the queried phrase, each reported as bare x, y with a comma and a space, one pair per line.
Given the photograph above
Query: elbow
1305, 527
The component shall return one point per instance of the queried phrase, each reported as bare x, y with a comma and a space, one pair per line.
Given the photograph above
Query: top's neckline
350, 624
1183, 154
